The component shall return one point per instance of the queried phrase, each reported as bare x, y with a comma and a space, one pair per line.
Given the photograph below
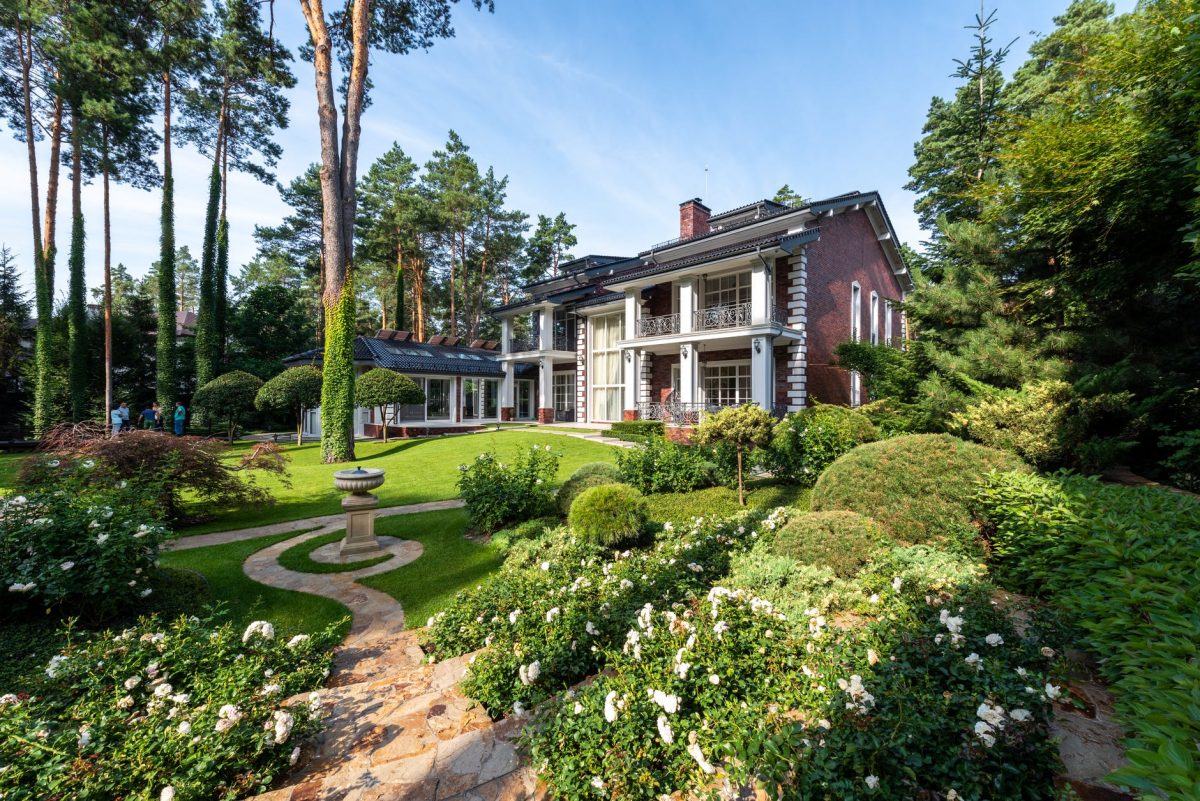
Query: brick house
743, 306
747, 305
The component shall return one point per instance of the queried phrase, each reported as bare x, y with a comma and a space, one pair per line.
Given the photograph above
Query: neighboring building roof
415, 357
185, 324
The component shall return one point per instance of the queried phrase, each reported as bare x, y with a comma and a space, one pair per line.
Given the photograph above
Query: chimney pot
693, 218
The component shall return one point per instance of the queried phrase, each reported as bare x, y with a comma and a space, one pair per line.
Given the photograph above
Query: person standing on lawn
148, 416
180, 418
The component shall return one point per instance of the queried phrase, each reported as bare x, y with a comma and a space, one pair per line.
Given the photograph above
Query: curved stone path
396, 727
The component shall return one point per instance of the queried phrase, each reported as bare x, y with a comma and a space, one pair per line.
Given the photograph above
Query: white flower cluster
259, 628
861, 701
227, 718
529, 673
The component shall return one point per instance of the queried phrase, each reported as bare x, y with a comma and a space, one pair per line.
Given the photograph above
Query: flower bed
179, 711
558, 603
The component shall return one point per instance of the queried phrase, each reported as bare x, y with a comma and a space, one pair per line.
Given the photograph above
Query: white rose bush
185, 710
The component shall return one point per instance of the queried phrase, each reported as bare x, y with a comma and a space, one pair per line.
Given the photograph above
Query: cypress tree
221, 291
206, 331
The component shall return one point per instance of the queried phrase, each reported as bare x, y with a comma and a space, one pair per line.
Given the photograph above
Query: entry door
524, 399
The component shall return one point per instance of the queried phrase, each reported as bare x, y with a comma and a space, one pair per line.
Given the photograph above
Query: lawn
418, 470
246, 600
450, 563
299, 557
10, 465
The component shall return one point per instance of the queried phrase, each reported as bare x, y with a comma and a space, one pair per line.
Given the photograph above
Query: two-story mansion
747, 305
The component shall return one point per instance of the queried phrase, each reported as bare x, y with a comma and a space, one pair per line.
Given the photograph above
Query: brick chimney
693, 218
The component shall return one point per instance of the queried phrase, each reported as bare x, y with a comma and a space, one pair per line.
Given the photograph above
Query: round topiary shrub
609, 515
921, 488
841, 541
576, 484
606, 469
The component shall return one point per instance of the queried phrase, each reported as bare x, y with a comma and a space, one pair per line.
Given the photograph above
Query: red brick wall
660, 376
659, 302
781, 367
782, 282
847, 251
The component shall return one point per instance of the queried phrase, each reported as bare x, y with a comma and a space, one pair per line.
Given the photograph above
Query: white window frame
874, 318
741, 285
855, 336
449, 418
568, 400
741, 364
517, 384
592, 374
887, 322
481, 383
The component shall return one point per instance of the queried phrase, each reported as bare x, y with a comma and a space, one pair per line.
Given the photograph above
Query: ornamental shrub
229, 397
637, 430
497, 493
80, 553
291, 392
576, 484
170, 476
1035, 422
661, 466
741, 429
203, 709
609, 515
606, 469
387, 390
841, 541
921, 488
1122, 563
804, 443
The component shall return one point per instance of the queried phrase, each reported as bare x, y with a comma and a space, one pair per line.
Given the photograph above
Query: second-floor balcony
560, 341
711, 318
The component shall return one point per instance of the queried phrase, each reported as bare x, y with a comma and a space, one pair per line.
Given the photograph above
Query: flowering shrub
559, 603
183, 711
611, 514
84, 552
661, 466
804, 443
725, 692
497, 493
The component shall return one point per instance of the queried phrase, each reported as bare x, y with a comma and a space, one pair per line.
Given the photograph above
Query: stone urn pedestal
360, 506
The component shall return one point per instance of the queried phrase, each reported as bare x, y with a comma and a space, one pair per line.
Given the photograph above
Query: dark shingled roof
415, 357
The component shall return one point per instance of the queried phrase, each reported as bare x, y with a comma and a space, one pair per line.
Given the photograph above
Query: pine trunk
165, 346
76, 308
400, 287
108, 343
221, 268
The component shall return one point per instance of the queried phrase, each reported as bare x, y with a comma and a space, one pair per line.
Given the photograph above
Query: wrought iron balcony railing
677, 413
733, 315
521, 344
658, 326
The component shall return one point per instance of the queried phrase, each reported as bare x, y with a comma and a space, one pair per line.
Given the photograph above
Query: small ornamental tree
745, 427
293, 390
228, 397
387, 390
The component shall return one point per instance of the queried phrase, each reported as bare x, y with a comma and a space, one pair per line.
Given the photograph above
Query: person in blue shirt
148, 415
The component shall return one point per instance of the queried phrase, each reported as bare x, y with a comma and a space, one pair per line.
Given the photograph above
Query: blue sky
610, 112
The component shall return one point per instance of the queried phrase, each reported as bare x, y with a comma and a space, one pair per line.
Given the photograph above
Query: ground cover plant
299, 557
418, 470
1124, 564
449, 564
187, 709
921, 488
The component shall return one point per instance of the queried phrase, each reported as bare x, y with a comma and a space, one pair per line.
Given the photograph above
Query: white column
546, 329
762, 372
632, 309
505, 334
688, 364
507, 386
545, 383
760, 297
632, 363
687, 305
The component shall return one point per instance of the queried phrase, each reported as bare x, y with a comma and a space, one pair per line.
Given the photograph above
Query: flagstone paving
396, 727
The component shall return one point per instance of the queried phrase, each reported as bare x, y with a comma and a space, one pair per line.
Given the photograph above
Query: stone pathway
396, 727
327, 524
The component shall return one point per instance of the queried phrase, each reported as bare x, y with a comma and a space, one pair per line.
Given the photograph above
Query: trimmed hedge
841, 541
609, 515
921, 488
637, 430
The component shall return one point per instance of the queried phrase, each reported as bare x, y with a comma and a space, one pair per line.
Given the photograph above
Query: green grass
299, 558
246, 600
681, 507
418, 470
450, 562
10, 465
